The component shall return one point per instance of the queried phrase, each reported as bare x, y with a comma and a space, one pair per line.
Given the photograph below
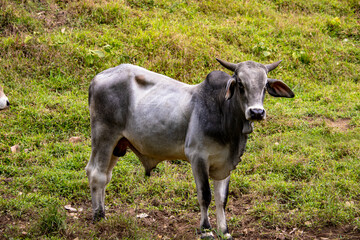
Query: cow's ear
230, 88
277, 88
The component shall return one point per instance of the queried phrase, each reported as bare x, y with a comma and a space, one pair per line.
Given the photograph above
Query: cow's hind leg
99, 169
221, 190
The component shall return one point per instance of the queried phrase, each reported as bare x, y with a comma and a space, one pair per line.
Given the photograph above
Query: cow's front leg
201, 175
221, 190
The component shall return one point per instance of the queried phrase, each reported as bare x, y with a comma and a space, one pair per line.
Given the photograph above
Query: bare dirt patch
184, 224
164, 225
341, 124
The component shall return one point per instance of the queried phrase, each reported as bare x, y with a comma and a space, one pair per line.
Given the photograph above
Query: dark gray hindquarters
111, 107
108, 101
111, 104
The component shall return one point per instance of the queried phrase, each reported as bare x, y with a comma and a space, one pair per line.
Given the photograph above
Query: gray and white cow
160, 118
4, 102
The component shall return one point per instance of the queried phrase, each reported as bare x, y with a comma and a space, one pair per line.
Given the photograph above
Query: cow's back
151, 110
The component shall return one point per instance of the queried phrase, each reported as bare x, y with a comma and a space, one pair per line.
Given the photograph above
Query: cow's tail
91, 89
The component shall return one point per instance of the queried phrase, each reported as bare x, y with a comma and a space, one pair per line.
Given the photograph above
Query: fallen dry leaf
70, 209
15, 148
75, 139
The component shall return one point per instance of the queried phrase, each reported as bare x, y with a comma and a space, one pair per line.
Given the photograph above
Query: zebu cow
159, 118
4, 102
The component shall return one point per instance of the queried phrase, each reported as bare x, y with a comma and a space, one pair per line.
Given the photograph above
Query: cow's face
249, 84
4, 102
251, 80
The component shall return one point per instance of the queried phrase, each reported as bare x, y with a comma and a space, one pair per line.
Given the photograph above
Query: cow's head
249, 84
4, 102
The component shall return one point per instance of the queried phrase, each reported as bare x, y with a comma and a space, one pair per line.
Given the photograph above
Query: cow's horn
272, 66
230, 66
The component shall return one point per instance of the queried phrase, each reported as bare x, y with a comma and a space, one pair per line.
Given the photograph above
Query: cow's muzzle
257, 113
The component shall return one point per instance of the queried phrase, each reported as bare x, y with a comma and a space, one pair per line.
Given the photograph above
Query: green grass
301, 168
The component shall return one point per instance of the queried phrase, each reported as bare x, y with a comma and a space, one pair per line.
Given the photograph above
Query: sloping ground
299, 178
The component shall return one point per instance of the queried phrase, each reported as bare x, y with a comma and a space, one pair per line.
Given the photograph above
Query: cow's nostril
7, 103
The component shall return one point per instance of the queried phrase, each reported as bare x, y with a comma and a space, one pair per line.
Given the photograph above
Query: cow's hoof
226, 236
98, 216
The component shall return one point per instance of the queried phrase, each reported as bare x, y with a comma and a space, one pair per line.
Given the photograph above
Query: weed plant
51, 221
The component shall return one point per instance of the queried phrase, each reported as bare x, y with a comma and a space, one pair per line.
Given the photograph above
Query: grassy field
299, 178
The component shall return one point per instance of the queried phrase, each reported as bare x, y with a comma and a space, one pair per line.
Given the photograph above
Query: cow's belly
157, 148
158, 122
158, 132
157, 140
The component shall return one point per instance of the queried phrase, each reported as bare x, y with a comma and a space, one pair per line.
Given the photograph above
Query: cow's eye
241, 87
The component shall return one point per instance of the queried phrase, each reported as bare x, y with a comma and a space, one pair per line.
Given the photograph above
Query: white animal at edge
4, 101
